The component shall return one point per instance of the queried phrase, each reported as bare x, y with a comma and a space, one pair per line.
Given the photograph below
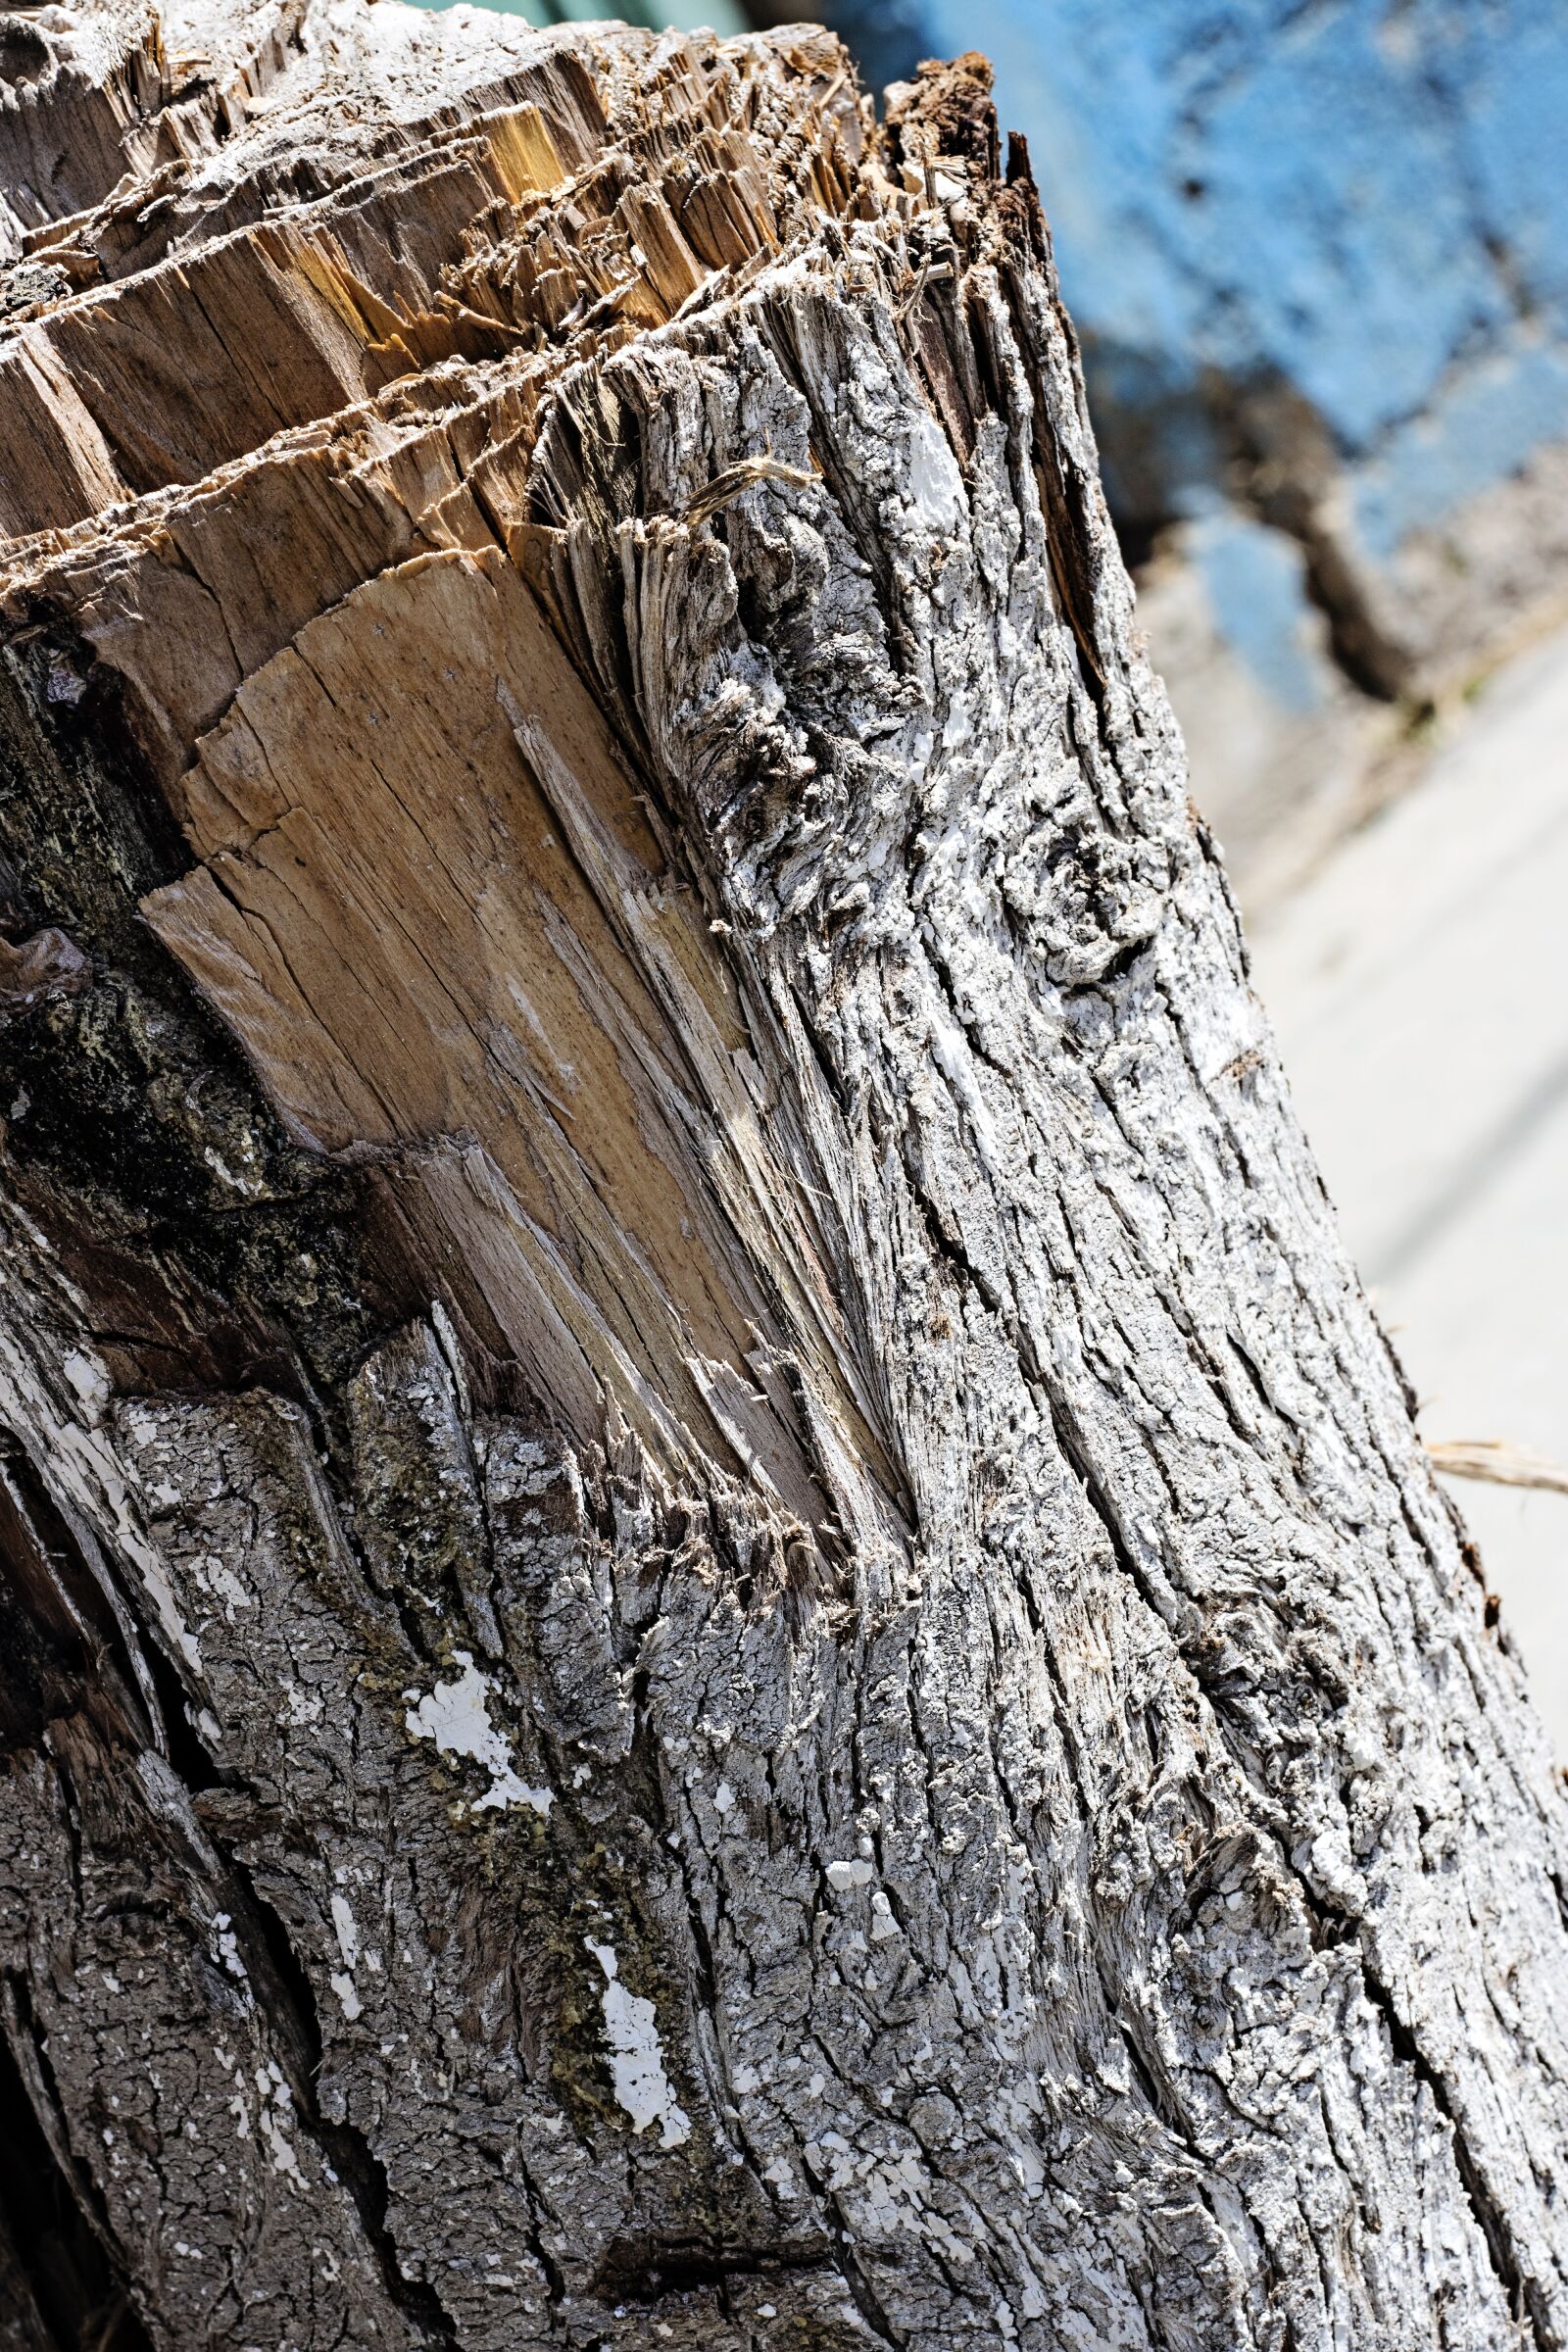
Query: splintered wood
727, 1629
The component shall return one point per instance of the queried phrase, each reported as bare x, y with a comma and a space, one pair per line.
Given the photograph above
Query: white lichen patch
346, 1928
883, 1923
842, 1876
228, 1945
636, 2059
348, 1997
88, 1378
455, 1717
348, 1939
274, 2112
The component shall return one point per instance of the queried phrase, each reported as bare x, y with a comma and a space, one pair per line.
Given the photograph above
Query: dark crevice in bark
63, 1635
77, 2284
862, 2294
550, 2269
188, 1759
288, 2000
1524, 2299
947, 1245
645, 2270
1523, 2294
1076, 1455
1558, 1888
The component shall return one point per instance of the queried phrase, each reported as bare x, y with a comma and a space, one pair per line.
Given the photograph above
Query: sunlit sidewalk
1419, 985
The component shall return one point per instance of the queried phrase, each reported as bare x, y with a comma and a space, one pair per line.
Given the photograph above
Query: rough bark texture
723, 1624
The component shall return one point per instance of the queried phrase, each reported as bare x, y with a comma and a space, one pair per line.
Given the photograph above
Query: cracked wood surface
723, 1624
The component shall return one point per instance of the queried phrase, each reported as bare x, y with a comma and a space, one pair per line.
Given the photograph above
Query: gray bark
724, 1626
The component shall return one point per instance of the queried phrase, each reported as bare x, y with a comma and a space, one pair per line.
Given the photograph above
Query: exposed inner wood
728, 1627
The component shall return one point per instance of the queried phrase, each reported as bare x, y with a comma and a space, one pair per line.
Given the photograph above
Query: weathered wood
724, 1624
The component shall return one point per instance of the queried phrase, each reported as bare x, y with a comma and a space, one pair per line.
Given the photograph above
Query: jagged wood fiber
723, 1626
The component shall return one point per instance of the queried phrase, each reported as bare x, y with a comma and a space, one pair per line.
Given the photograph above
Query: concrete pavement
1419, 987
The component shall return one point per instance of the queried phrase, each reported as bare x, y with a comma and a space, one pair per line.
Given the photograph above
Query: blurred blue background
1352, 210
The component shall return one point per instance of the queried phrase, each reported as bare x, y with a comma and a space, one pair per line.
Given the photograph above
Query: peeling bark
725, 1625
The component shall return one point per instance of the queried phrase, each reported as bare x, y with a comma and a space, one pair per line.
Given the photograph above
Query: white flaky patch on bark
455, 1717
636, 2058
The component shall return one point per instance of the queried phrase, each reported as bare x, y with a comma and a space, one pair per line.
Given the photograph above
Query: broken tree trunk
723, 1625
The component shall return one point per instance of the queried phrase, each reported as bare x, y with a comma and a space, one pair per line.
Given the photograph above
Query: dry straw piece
737, 479
1497, 1462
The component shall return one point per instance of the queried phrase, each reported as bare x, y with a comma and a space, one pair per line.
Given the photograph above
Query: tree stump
723, 1624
